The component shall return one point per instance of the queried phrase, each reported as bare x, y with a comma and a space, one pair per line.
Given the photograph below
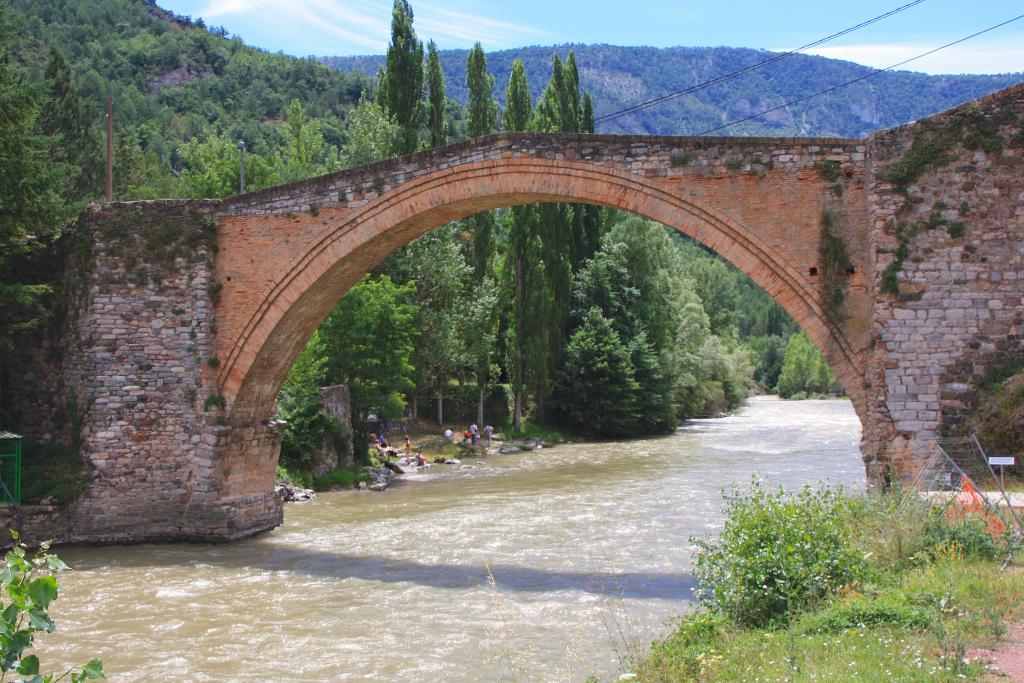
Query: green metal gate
10, 467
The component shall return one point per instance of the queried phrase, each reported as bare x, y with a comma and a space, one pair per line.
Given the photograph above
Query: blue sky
348, 27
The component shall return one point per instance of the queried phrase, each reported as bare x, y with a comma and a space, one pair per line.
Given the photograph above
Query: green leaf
29, 665
93, 670
42, 591
40, 621
56, 563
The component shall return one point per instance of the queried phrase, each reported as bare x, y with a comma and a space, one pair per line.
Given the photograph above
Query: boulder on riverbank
520, 445
380, 479
290, 493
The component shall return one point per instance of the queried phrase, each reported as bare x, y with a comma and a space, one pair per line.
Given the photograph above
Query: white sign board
1005, 461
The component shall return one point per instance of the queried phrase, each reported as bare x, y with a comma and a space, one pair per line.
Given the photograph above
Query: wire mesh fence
956, 476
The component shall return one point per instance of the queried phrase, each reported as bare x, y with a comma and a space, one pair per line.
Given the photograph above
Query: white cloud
346, 26
982, 58
469, 28
219, 8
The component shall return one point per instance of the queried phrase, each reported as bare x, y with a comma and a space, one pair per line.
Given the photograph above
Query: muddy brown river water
546, 566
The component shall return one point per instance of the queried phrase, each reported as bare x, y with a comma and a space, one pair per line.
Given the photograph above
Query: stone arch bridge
191, 313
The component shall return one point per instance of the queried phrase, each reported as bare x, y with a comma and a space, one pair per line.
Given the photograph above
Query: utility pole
110, 150
241, 166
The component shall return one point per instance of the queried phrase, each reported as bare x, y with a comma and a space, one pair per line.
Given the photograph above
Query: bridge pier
129, 382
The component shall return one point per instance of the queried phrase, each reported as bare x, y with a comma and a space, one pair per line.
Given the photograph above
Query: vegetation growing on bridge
835, 266
934, 143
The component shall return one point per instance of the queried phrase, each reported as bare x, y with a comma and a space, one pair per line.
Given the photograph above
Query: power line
718, 79
861, 78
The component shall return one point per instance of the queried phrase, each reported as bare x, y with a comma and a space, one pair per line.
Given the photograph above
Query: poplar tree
517, 115
435, 83
518, 103
483, 110
401, 83
589, 229
483, 116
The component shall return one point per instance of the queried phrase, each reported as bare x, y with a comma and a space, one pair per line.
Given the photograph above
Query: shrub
684, 655
860, 611
776, 555
970, 536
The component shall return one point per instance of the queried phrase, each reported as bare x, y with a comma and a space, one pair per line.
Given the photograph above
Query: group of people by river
411, 455
472, 435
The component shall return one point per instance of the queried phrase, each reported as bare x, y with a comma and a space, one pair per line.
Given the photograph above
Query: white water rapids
545, 566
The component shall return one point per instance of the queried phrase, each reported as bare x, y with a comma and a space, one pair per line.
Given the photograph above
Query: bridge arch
350, 241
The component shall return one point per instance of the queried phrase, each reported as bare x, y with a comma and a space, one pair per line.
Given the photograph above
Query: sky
358, 27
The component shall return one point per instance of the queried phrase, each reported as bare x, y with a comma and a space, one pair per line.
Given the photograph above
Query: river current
545, 566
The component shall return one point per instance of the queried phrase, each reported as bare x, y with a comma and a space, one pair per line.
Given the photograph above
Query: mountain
619, 77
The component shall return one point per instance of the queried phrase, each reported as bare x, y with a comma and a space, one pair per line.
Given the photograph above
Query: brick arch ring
357, 239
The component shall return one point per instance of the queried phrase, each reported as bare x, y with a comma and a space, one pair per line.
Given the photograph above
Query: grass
933, 589
339, 477
344, 477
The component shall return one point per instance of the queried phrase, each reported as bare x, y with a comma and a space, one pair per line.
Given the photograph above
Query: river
544, 566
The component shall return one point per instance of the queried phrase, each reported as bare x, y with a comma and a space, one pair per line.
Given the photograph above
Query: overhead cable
861, 78
732, 74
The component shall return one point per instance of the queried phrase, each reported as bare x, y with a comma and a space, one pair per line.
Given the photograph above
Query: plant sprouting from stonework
835, 261
28, 584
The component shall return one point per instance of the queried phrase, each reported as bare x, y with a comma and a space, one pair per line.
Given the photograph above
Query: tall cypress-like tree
518, 103
589, 229
516, 117
435, 83
483, 110
483, 115
401, 83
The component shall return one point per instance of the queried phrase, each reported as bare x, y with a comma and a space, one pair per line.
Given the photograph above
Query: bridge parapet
648, 156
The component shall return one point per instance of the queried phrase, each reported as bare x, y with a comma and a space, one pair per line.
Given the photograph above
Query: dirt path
1008, 655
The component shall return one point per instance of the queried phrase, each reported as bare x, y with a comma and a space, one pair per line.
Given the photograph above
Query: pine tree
30, 196
401, 83
65, 119
598, 379
435, 84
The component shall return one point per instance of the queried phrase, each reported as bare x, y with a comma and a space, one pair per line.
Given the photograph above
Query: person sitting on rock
420, 460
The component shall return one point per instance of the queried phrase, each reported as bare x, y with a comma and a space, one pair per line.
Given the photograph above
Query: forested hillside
172, 80
619, 77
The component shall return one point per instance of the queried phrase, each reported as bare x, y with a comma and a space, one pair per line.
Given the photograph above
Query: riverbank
931, 602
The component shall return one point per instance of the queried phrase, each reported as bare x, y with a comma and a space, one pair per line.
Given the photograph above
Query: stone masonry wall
135, 360
948, 202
